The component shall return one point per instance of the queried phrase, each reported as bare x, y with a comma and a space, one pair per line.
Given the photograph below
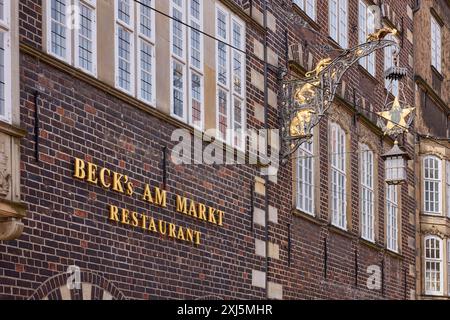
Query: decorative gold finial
381, 34
322, 64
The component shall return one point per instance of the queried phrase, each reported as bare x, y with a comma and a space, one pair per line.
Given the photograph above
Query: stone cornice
12, 130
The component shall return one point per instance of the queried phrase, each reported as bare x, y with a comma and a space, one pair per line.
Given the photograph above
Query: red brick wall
67, 219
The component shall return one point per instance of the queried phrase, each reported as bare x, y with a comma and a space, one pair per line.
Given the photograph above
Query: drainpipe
266, 126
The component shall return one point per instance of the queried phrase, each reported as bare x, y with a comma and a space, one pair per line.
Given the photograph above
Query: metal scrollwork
307, 100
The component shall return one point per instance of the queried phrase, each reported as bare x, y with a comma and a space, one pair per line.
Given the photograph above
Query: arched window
367, 194
338, 176
433, 265
432, 174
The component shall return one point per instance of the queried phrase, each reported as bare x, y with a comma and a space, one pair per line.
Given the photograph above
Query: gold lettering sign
115, 181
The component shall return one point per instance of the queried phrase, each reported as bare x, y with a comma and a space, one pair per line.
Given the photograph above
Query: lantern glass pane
395, 169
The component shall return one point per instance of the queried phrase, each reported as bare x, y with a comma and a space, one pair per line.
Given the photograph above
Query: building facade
94, 95
432, 157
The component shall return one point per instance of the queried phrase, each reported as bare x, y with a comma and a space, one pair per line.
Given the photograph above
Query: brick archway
92, 287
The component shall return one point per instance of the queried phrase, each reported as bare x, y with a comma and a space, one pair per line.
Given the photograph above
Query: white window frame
338, 177
364, 18
238, 96
6, 31
389, 62
392, 220
340, 12
199, 71
179, 59
5, 22
430, 275
149, 40
432, 181
91, 4
436, 44
221, 86
68, 43
308, 6
131, 29
305, 178
231, 94
367, 196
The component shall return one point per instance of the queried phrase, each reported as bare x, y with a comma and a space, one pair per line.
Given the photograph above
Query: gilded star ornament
396, 117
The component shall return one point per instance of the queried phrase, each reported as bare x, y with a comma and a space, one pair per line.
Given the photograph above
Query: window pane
305, 181
195, 9
195, 45
146, 65
433, 265
124, 55
196, 94
432, 185
178, 89
2, 9
146, 18
178, 31
367, 193
86, 39
59, 32
124, 11
223, 114
237, 122
338, 174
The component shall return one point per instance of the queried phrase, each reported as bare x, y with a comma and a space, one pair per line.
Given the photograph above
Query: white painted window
305, 178
388, 63
436, 44
238, 83
5, 13
125, 56
178, 42
432, 173
135, 49
367, 193
309, 6
146, 52
59, 35
5, 62
366, 21
77, 20
433, 266
392, 217
86, 37
338, 15
338, 176
196, 104
187, 52
230, 79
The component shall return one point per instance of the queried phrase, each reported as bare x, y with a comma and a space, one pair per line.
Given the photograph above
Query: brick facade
266, 249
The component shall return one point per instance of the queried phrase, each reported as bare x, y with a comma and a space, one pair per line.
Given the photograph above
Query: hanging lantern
395, 162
